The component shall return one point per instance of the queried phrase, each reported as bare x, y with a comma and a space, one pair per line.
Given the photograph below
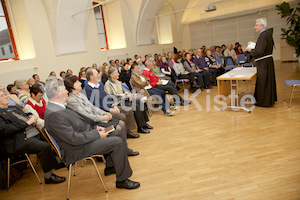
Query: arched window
7, 42
100, 27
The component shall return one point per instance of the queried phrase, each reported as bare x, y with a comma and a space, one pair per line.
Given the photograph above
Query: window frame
11, 35
101, 9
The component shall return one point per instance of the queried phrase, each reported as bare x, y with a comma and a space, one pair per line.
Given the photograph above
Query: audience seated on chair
239, 50
191, 67
214, 67
13, 98
181, 73
93, 115
141, 83
230, 52
218, 53
96, 95
24, 94
169, 86
114, 87
36, 105
37, 80
104, 71
79, 139
18, 135
125, 75
200, 62
141, 65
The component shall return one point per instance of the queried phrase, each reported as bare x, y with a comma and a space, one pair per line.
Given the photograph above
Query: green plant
292, 34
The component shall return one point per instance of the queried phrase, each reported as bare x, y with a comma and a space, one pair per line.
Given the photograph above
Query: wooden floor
207, 155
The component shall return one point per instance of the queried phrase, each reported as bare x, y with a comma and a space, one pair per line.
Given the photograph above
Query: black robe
265, 90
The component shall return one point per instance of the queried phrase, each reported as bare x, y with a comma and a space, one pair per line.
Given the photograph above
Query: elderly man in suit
18, 135
79, 139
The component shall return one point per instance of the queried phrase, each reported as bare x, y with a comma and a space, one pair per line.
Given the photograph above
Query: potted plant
292, 34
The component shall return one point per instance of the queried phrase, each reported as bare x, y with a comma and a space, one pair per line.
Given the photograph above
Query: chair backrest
53, 143
219, 60
241, 58
229, 61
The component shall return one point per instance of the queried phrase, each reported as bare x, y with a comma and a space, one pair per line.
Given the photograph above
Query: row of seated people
77, 135
200, 67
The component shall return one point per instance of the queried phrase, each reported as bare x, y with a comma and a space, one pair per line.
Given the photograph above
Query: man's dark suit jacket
76, 132
12, 131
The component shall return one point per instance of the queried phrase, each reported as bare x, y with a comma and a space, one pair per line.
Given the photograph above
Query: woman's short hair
177, 56
111, 70
69, 83
19, 83
35, 89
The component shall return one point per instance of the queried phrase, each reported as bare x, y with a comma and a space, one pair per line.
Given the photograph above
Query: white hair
19, 83
52, 87
262, 21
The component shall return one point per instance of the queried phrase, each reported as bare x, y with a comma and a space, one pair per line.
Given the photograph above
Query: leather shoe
147, 126
131, 135
142, 130
54, 179
109, 171
133, 153
127, 184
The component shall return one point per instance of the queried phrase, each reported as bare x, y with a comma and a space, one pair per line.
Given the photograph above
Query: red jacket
153, 78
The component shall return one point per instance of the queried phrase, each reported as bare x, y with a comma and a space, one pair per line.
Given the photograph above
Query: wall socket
295, 55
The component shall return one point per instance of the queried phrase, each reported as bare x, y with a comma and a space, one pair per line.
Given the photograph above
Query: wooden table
228, 84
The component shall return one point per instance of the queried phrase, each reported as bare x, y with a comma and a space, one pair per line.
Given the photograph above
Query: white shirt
93, 85
59, 104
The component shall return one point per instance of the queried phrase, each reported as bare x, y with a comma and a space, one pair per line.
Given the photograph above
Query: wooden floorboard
208, 154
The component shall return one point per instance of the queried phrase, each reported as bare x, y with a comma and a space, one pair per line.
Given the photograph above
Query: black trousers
170, 87
43, 150
139, 111
190, 76
213, 73
205, 75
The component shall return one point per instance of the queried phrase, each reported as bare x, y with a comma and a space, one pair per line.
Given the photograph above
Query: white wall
235, 29
36, 41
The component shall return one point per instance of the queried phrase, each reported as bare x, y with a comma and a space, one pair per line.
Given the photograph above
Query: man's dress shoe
54, 179
142, 130
147, 126
127, 184
133, 153
131, 135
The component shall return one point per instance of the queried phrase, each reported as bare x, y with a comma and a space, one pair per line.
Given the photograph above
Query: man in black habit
265, 90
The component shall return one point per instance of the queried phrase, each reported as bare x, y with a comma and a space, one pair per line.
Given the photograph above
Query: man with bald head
230, 52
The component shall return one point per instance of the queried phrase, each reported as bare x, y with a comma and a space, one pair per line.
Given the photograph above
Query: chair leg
103, 159
8, 172
285, 93
33, 169
69, 181
291, 96
99, 175
75, 167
